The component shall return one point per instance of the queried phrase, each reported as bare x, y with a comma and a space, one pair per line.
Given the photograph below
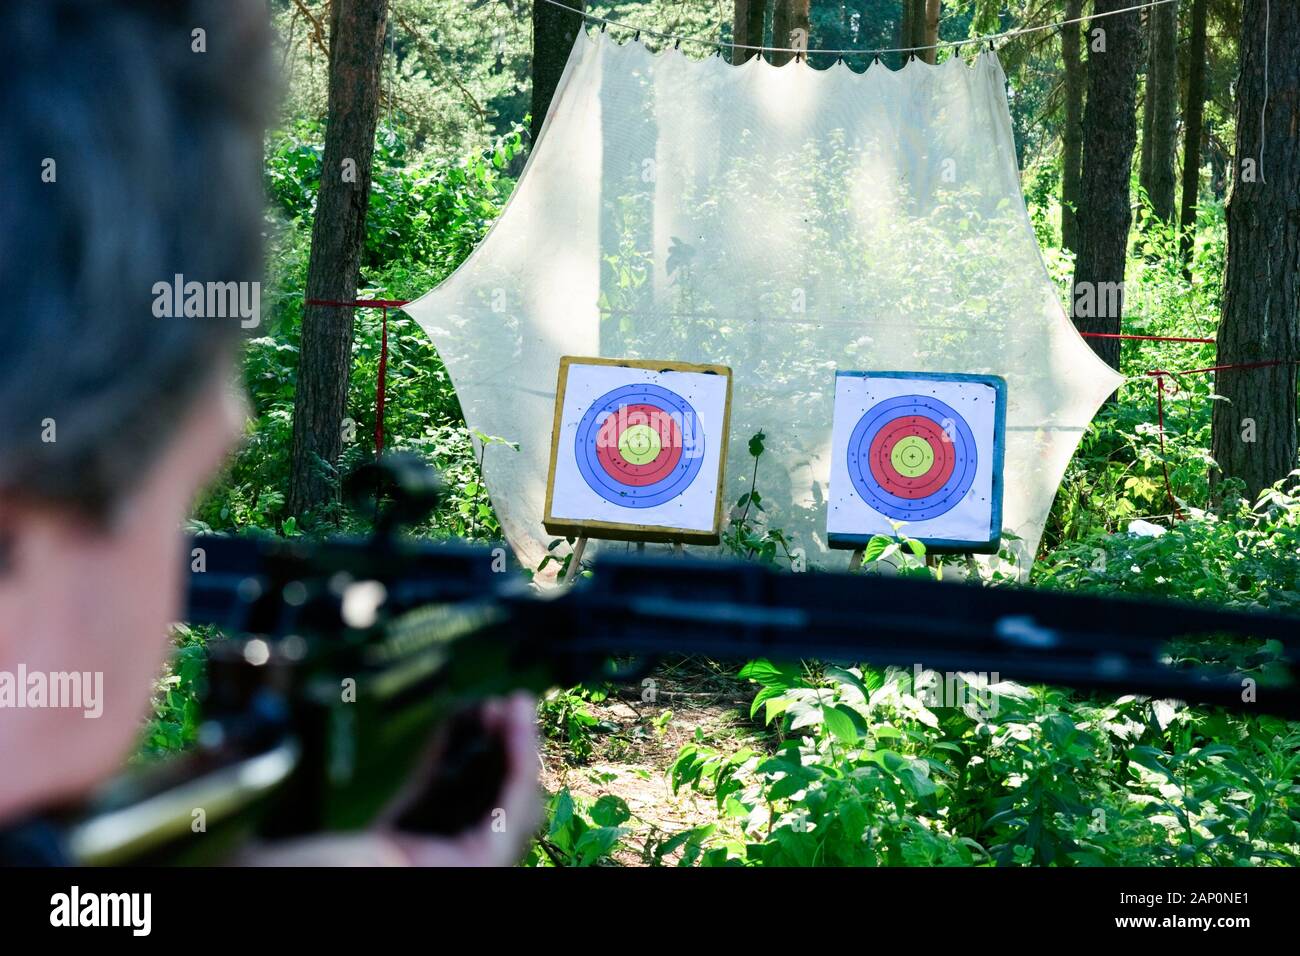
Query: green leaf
845, 676
768, 674
561, 812
875, 547
840, 723
1150, 758
610, 811
596, 843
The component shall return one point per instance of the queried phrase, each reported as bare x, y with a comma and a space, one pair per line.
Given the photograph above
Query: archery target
639, 446
637, 450
922, 451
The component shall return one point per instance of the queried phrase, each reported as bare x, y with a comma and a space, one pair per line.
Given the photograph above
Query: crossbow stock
334, 662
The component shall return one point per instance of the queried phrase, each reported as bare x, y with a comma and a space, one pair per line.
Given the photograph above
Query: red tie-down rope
381, 388
1160, 374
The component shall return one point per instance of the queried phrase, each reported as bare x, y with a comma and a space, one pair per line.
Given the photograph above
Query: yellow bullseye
912, 456
639, 444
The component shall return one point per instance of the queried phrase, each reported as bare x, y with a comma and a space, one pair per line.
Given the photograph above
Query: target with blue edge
639, 445
917, 454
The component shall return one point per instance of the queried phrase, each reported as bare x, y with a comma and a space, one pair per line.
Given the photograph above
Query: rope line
938, 45
1144, 338
1164, 461
1158, 374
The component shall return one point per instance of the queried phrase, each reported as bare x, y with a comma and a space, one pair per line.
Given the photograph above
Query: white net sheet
785, 222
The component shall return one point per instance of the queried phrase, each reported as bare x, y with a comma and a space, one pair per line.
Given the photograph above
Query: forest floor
636, 741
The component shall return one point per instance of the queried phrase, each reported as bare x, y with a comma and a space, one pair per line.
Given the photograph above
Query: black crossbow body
346, 669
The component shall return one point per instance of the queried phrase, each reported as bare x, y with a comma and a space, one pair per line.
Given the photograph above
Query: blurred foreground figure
130, 258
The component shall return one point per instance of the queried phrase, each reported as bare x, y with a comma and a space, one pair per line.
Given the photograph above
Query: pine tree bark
554, 32
906, 8
933, 11
1147, 57
1193, 124
1254, 427
1072, 135
1162, 88
917, 21
337, 242
1109, 136
788, 16
747, 28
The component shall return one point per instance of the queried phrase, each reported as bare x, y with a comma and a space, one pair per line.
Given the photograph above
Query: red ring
622, 470
888, 477
940, 471
900, 485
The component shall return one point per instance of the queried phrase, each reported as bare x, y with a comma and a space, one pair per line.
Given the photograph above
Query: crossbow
335, 663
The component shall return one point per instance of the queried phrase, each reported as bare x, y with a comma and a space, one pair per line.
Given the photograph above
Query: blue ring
666, 488
911, 509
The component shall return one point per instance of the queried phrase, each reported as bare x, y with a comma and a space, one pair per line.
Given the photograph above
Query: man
130, 142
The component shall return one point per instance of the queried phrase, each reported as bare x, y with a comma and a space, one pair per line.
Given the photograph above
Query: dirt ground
634, 745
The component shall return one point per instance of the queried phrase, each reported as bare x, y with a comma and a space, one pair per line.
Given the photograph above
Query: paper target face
921, 450
639, 446
637, 452
912, 457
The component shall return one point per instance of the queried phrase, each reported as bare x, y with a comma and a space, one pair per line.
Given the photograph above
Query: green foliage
578, 833
1118, 472
174, 723
754, 537
1242, 556
424, 219
564, 715
862, 765
885, 768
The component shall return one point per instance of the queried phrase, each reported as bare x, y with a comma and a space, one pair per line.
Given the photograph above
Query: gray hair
131, 145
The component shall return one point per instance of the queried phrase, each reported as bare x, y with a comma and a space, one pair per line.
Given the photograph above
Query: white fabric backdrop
784, 221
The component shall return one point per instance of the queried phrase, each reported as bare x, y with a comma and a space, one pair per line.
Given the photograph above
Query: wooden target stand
580, 546
583, 530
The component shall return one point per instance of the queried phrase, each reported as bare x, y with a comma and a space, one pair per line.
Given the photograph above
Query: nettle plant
878, 767
748, 534
855, 778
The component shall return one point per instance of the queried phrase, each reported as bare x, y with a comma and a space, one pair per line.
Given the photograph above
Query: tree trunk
554, 31
904, 28
1147, 58
917, 21
1193, 121
933, 10
1072, 136
1164, 109
1109, 135
337, 241
788, 16
747, 28
1255, 426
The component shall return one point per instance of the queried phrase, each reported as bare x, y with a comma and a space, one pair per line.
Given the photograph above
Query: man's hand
498, 840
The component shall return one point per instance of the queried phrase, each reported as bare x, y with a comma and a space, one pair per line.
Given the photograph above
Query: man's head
130, 137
